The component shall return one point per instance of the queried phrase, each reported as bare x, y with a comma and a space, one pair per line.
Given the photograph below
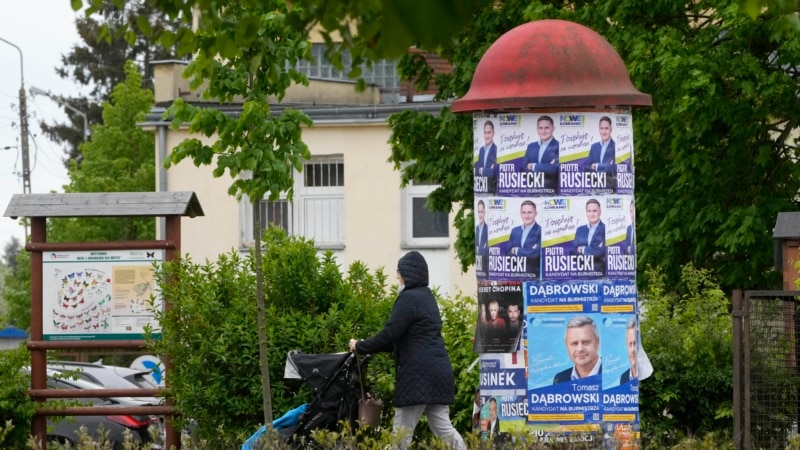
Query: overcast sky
43, 30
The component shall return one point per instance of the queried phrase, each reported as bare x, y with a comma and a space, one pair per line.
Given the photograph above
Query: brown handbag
369, 409
369, 412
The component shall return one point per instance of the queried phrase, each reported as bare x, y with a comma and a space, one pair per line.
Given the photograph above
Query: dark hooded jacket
414, 333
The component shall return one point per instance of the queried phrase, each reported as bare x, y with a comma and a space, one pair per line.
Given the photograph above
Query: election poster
515, 239
619, 296
565, 369
620, 394
564, 296
574, 238
624, 154
569, 153
481, 240
621, 256
502, 390
620, 353
616, 358
92, 295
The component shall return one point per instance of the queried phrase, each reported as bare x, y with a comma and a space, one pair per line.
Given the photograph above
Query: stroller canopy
316, 370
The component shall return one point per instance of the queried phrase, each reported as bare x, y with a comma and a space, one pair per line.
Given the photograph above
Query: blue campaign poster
565, 369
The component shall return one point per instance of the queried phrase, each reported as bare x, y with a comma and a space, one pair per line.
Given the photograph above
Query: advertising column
556, 324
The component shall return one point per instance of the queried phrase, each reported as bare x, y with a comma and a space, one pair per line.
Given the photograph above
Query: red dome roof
550, 64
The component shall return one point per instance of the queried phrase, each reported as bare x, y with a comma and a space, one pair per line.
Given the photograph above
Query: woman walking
425, 382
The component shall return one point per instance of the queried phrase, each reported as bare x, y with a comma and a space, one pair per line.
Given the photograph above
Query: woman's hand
353, 345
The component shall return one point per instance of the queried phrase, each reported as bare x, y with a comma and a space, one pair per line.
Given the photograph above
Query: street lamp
60, 101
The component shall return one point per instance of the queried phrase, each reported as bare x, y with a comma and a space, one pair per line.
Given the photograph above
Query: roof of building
318, 112
13, 333
787, 226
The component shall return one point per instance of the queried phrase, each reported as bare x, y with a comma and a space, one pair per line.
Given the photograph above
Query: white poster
93, 295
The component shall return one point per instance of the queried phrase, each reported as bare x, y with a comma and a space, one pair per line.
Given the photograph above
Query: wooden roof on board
104, 204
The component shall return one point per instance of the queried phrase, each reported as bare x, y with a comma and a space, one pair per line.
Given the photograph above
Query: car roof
95, 367
81, 383
108, 376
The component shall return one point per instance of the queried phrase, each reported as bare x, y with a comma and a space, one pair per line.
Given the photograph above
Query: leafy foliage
257, 49
15, 405
10, 251
210, 333
98, 62
119, 158
250, 53
715, 158
458, 318
17, 294
688, 337
370, 30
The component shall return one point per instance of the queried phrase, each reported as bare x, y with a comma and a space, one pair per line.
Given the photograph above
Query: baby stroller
336, 380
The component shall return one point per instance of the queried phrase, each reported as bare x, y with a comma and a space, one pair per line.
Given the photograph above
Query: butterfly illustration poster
93, 295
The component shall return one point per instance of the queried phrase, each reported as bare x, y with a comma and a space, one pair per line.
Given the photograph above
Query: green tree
7, 268
715, 159
16, 407
98, 61
17, 294
689, 340
119, 158
717, 152
315, 309
314, 306
10, 252
251, 54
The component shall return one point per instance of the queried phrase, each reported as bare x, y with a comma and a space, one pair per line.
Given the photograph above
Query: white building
348, 197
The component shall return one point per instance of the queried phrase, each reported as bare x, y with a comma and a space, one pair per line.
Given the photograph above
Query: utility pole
23, 126
23, 129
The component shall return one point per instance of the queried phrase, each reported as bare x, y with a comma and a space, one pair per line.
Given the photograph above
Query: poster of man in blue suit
481, 240
590, 239
602, 153
485, 166
526, 239
542, 154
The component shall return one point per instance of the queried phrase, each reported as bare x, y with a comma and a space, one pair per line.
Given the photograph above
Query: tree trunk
262, 321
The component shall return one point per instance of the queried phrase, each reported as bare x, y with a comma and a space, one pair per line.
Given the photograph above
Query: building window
276, 213
317, 209
383, 73
423, 228
323, 173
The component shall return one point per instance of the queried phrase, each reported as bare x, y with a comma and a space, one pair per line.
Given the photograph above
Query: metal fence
766, 376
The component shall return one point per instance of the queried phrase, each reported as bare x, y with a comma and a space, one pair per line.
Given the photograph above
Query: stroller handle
364, 359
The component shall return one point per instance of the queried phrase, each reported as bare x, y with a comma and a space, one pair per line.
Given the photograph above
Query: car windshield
143, 381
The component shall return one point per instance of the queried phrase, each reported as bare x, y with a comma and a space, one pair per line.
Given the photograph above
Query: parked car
112, 377
143, 429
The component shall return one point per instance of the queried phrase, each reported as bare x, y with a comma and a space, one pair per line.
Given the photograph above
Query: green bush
458, 315
210, 332
16, 408
687, 333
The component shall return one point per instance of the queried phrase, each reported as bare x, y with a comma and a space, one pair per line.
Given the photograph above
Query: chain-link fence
766, 371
